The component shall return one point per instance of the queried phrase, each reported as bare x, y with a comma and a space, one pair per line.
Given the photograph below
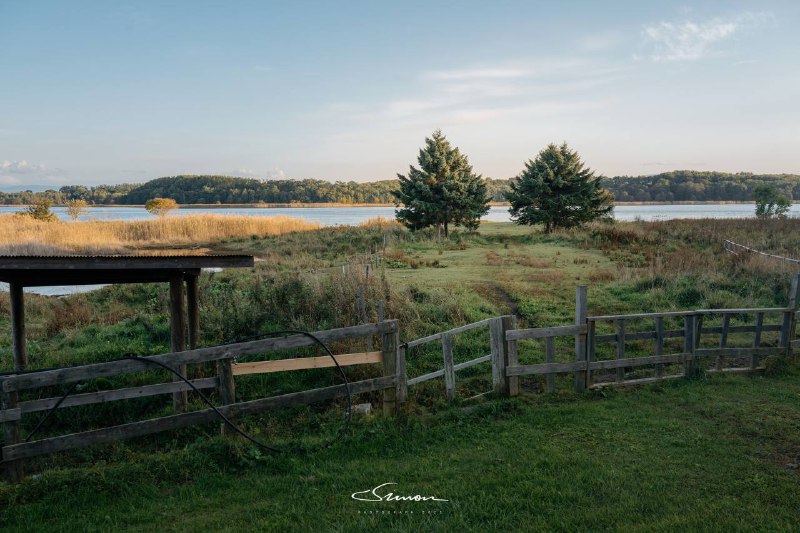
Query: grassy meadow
717, 452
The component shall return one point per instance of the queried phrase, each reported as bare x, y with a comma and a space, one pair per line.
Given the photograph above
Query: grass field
713, 453
710, 454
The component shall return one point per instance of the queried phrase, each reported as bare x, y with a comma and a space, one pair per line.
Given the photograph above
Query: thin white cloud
22, 172
469, 74
689, 41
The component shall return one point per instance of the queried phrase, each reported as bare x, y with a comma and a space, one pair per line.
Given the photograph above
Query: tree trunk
446, 234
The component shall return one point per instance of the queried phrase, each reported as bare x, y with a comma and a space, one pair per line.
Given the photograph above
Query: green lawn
717, 453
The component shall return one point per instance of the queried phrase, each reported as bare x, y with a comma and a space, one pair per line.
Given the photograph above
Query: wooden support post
581, 312
698, 329
177, 326
550, 357
390, 342
402, 376
620, 348
688, 345
659, 344
788, 327
497, 342
757, 339
449, 371
14, 470
227, 388
723, 339
193, 310
510, 323
794, 302
591, 350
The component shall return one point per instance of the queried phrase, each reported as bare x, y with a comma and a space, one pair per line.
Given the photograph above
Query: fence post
723, 339
449, 371
620, 348
177, 326
581, 312
390, 342
510, 323
591, 349
789, 322
688, 345
757, 340
550, 357
499, 356
14, 471
402, 375
659, 344
227, 388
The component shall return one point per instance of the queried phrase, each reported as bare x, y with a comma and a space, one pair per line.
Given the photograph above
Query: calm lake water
332, 216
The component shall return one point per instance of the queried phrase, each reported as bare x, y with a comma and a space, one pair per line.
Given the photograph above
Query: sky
110, 92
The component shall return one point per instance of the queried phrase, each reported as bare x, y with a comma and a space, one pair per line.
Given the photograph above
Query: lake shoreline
328, 205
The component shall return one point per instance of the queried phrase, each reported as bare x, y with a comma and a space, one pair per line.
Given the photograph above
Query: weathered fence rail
701, 341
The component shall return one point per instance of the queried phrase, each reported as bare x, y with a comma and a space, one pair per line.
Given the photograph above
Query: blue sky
105, 92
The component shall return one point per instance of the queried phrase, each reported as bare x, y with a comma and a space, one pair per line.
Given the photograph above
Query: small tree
770, 202
76, 207
40, 210
160, 206
443, 191
557, 190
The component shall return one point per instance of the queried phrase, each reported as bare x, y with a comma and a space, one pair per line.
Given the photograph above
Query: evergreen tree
557, 190
444, 191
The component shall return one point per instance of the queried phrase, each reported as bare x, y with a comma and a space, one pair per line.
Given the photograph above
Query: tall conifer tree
557, 190
444, 191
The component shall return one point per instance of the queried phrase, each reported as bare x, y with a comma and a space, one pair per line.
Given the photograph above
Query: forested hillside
677, 186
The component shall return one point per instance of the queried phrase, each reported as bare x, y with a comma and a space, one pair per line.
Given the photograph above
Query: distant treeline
678, 186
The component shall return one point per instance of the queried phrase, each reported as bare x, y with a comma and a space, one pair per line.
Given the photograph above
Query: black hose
237, 429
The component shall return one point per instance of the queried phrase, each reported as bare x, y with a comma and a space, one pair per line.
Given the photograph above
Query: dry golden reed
22, 235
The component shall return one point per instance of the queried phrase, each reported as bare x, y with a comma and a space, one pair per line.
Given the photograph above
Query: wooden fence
703, 336
392, 383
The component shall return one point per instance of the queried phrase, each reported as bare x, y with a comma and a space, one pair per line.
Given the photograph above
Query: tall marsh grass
23, 235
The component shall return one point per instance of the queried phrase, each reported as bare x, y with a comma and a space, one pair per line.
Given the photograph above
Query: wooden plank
227, 390
635, 316
637, 361
546, 368
739, 352
426, 377
449, 371
18, 344
737, 370
193, 310
550, 357
459, 329
581, 312
180, 420
305, 363
390, 342
645, 335
88, 398
177, 328
659, 344
620, 324
757, 339
13, 471
499, 360
688, 345
510, 324
630, 382
402, 374
723, 339
741, 311
125, 262
439, 373
540, 333
10, 415
112, 368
